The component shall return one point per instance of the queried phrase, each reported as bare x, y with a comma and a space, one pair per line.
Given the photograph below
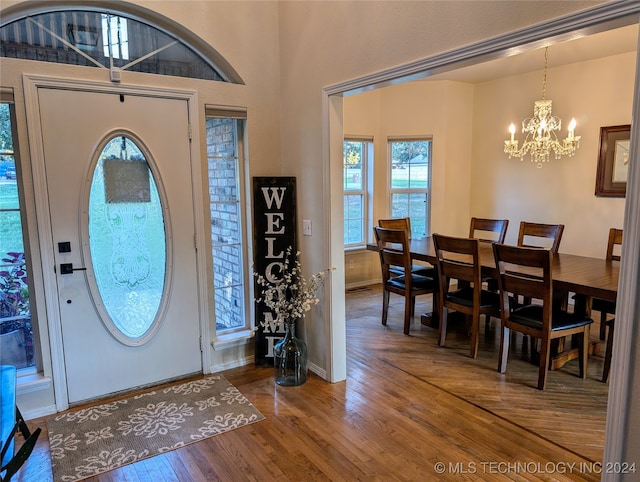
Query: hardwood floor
406, 406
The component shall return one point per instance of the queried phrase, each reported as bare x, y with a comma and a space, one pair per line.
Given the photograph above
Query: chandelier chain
544, 77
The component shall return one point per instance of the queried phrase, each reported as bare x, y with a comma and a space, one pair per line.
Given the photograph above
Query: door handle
67, 268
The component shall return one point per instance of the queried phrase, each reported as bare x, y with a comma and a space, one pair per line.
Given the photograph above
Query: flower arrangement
291, 295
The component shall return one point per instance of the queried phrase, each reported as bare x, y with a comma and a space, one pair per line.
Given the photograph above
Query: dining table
584, 276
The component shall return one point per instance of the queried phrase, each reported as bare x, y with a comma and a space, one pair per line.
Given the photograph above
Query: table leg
581, 305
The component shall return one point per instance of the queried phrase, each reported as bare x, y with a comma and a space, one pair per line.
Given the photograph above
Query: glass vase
290, 358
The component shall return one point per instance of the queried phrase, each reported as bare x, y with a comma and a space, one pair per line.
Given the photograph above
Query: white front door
118, 175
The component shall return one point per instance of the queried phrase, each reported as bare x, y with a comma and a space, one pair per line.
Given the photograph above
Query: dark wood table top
593, 277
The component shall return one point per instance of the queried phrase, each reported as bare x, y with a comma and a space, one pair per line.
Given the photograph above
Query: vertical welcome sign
274, 230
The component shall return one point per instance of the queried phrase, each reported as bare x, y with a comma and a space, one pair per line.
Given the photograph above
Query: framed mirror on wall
613, 161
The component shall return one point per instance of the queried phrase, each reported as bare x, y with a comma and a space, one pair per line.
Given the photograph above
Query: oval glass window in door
127, 241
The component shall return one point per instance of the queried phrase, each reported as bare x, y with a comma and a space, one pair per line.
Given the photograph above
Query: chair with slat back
405, 223
393, 249
396, 223
459, 259
606, 307
481, 227
527, 272
553, 232
489, 231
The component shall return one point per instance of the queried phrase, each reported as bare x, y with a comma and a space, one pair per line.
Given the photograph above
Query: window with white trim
410, 178
225, 160
20, 344
357, 156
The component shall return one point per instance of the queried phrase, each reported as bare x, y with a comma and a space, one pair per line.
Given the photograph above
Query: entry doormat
93, 440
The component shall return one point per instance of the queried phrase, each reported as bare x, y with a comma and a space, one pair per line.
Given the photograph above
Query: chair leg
583, 352
543, 370
475, 328
608, 353
603, 325
533, 345
385, 306
26, 433
504, 349
408, 308
442, 328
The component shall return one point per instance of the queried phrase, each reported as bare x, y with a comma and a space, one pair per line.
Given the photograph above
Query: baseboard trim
240, 362
361, 284
39, 412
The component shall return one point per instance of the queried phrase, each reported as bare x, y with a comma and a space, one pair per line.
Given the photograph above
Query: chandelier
540, 131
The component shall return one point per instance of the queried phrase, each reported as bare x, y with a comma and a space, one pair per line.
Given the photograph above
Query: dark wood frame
605, 187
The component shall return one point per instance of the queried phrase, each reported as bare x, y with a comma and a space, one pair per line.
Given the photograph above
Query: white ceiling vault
603, 44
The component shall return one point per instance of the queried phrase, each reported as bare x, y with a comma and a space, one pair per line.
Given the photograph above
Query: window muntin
18, 341
229, 252
356, 157
104, 40
410, 162
115, 37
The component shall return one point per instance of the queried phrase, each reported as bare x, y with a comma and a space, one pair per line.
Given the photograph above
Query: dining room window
357, 155
410, 169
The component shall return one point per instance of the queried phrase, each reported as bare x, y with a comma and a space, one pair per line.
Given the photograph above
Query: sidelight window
16, 332
228, 241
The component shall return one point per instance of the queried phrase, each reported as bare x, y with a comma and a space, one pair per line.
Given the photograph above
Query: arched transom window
105, 40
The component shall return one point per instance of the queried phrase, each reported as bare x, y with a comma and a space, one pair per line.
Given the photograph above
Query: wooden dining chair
606, 307
393, 248
529, 231
459, 259
527, 272
544, 236
485, 229
405, 223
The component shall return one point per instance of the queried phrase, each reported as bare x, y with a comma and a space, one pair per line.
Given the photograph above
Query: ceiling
603, 44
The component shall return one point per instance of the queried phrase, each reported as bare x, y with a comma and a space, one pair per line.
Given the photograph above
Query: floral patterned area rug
90, 441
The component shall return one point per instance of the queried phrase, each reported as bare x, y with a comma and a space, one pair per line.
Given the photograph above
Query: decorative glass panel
127, 237
102, 39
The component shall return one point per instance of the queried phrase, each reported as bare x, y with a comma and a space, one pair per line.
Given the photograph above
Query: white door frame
31, 84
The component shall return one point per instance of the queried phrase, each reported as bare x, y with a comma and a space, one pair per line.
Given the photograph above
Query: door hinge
201, 344
195, 242
190, 131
